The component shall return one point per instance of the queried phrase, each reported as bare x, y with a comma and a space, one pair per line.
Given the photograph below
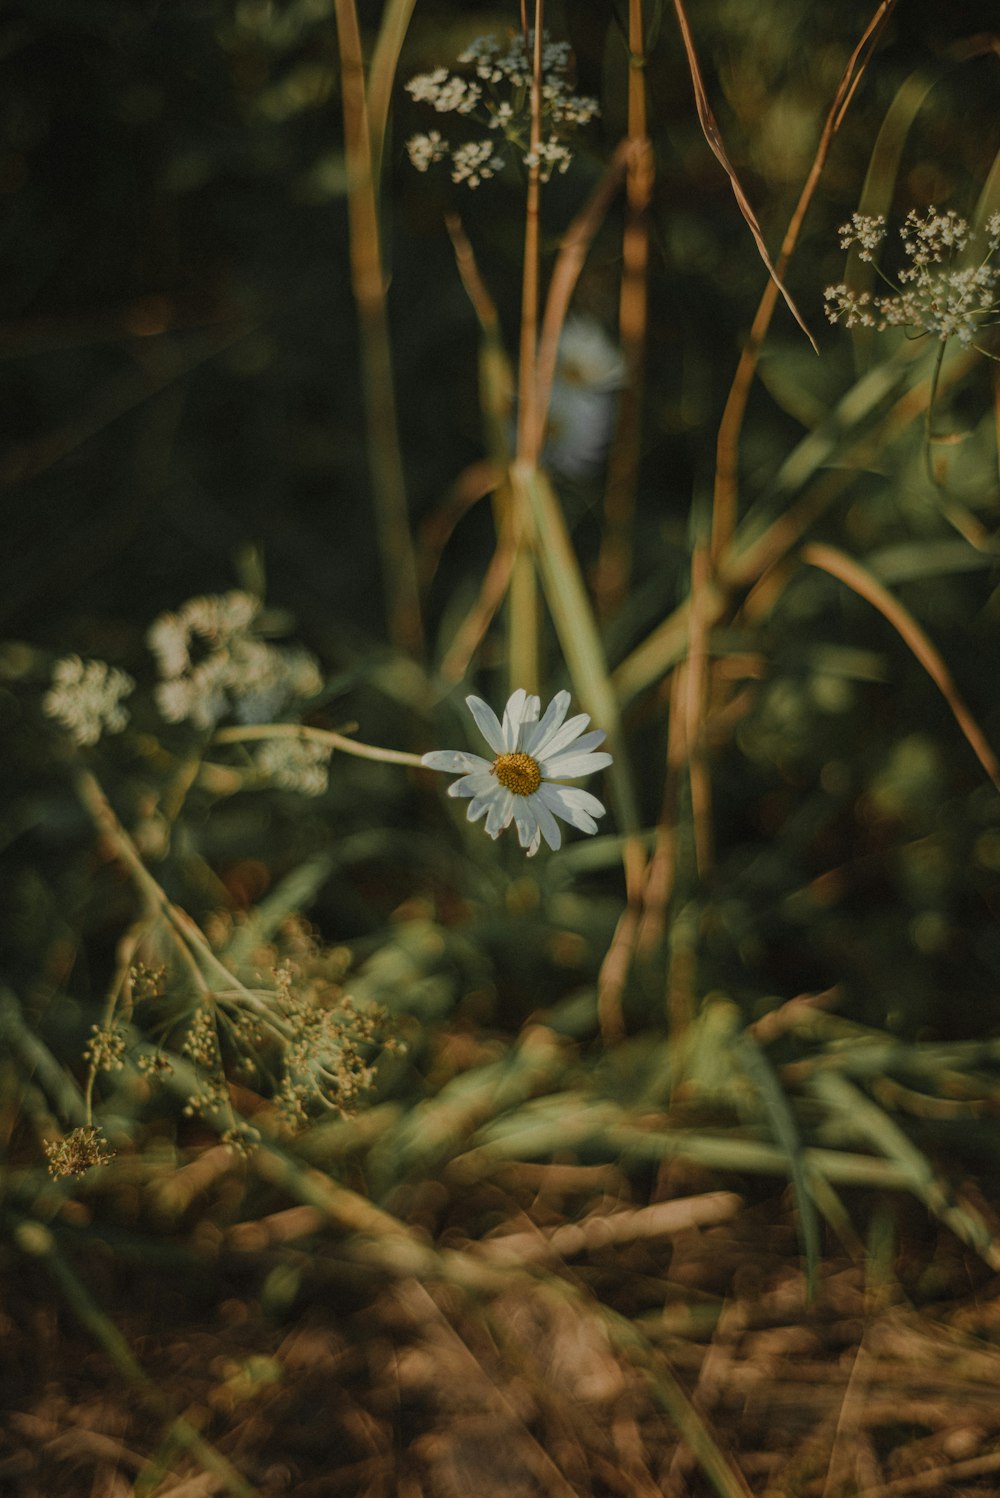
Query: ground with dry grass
312, 1372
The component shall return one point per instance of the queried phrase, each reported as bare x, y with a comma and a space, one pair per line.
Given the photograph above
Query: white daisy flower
532, 755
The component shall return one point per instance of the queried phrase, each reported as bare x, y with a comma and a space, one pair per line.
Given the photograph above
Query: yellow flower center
518, 772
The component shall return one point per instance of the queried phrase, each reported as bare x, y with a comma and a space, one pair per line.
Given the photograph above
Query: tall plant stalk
614, 561
369, 286
523, 616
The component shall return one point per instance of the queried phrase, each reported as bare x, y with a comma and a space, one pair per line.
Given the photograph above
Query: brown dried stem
614, 560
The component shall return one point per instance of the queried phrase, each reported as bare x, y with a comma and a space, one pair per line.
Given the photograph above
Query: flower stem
325, 736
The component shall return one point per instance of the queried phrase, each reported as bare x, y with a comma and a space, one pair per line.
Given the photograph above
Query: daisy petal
568, 766
528, 832
585, 743
563, 736
500, 813
547, 824
478, 807
573, 805
534, 738
512, 717
454, 760
479, 783
487, 723
574, 796
529, 717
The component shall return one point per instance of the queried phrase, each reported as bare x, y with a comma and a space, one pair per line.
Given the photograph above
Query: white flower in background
550, 157
424, 149
589, 372
444, 92
85, 697
531, 756
213, 660
295, 764
475, 162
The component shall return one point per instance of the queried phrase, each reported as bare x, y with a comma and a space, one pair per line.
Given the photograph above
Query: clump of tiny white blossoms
932, 293
301, 765
499, 97
213, 660
85, 697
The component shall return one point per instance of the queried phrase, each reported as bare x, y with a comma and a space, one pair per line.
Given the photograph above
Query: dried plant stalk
614, 561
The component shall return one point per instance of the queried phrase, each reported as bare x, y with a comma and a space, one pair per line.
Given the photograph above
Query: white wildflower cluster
85, 697
866, 230
475, 162
933, 294
213, 660
295, 764
499, 96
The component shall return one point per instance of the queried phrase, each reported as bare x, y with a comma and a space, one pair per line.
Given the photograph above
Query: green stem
929, 414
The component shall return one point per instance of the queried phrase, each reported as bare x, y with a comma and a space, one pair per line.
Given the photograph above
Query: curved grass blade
785, 1130
382, 74
576, 627
294, 894
861, 581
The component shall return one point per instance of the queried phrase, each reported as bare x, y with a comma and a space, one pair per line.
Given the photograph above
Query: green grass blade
576, 627
785, 1130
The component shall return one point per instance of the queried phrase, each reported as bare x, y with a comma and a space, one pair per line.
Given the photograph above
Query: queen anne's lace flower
475, 162
213, 660
532, 755
295, 764
85, 697
501, 100
934, 294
